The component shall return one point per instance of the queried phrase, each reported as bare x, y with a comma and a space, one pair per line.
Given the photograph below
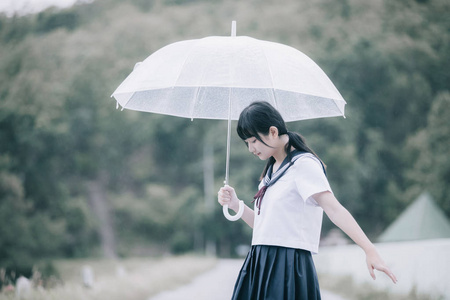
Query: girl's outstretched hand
227, 195
374, 262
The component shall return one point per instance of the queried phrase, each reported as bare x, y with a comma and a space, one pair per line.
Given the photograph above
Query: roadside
216, 284
112, 279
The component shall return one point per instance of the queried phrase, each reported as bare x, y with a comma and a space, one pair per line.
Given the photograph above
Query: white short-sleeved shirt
289, 216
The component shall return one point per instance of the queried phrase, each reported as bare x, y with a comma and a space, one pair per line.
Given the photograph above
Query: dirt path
216, 284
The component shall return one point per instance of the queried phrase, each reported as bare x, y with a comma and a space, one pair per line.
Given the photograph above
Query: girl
287, 220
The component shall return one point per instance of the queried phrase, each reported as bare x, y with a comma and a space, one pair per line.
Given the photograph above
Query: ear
273, 132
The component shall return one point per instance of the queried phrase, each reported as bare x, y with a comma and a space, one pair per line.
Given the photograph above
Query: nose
250, 148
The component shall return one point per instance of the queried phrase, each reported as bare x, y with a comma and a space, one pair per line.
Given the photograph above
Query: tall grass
130, 279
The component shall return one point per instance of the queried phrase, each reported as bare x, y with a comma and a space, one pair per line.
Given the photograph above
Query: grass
348, 289
139, 278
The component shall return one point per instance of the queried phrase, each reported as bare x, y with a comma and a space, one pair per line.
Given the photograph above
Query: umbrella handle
236, 216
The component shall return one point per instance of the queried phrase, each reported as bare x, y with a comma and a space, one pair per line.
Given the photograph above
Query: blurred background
80, 179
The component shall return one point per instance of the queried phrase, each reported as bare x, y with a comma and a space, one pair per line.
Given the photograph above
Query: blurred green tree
59, 130
427, 151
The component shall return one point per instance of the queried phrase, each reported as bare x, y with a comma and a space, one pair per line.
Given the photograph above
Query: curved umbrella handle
236, 216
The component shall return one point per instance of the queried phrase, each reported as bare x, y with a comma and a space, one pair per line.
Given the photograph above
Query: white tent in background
423, 219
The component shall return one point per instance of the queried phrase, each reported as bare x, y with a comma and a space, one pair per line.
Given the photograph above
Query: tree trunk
99, 204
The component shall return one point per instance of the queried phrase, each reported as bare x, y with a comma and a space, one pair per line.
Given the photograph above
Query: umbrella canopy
217, 77
211, 77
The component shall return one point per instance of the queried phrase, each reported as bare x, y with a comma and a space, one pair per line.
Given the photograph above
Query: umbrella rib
197, 92
182, 66
178, 77
191, 110
271, 77
342, 111
192, 107
337, 106
129, 99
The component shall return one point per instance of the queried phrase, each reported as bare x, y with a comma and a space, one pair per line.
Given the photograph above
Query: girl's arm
345, 221
227, 195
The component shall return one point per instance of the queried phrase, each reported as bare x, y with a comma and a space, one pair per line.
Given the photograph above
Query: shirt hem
296, 245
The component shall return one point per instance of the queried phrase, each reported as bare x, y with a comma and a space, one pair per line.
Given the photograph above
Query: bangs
245, 130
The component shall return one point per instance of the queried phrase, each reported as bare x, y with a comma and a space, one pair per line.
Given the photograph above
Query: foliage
59, 129
428, 151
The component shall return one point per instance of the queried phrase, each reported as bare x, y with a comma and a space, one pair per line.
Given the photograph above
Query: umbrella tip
137, 65
233, 28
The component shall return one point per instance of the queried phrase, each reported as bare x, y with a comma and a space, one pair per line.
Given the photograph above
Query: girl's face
255, 146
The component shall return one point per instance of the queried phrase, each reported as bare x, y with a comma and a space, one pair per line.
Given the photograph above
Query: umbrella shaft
227, 165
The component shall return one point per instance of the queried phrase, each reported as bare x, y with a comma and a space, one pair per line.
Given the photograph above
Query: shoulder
308, 162
306, 158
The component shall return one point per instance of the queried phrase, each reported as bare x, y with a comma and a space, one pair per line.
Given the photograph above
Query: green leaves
59, 127
428, 152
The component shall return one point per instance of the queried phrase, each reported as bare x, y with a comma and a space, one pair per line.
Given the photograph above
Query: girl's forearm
248, 216
342, 218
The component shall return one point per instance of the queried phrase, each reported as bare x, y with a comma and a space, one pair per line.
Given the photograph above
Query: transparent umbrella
216, 77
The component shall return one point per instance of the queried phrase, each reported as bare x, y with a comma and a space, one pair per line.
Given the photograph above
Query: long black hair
257, 118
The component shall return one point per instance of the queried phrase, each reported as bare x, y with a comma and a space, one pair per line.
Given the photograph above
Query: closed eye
250, 141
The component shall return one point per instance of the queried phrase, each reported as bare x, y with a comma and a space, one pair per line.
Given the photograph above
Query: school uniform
286, 231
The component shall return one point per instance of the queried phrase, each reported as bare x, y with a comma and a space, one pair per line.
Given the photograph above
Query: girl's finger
385, 270
372, 273
393, 278
228, 188
391, 275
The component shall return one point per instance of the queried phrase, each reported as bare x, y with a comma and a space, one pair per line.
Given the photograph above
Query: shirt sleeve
310, 178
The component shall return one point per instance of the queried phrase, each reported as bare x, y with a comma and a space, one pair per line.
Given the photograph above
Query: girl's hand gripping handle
228, 199
236, 216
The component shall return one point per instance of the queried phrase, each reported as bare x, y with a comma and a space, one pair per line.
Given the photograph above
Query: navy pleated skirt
277, 273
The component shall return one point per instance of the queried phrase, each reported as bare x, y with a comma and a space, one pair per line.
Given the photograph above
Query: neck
280, 154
